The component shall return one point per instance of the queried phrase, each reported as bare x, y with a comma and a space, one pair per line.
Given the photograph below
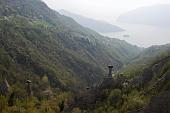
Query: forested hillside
41, 42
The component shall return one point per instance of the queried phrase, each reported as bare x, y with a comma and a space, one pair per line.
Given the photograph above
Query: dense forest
51, 64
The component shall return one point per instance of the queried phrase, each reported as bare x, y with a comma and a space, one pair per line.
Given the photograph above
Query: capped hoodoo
110, 71
29, 89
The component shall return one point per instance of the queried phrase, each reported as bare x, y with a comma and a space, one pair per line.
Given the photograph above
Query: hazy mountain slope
41, 42
151, 52
157, 15
145, 58
98, 26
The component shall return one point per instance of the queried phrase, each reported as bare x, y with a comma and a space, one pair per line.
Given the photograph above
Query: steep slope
43, 43
157, 15
154, 83
150, 53
145, 58
98, 26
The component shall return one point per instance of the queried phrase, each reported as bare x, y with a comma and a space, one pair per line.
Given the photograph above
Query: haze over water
110, 10
141, 35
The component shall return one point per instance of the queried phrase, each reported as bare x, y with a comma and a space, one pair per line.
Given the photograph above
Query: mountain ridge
97, 25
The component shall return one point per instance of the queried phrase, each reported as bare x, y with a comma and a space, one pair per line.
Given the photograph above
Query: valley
49, 63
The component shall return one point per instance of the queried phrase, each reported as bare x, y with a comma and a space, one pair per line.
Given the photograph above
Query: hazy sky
107, 10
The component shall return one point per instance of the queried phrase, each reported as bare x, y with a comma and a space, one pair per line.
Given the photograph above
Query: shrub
115, 98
